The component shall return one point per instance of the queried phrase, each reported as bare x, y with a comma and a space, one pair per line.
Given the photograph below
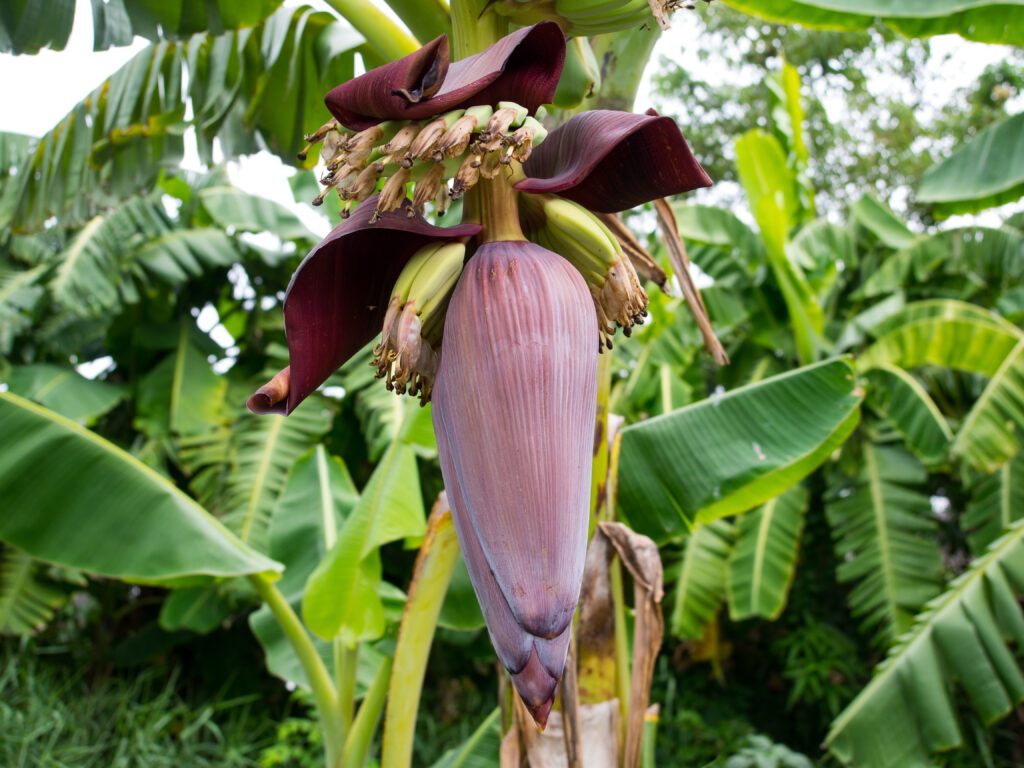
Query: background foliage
881, 587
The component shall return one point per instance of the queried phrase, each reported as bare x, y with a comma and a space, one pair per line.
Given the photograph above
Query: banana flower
516, 364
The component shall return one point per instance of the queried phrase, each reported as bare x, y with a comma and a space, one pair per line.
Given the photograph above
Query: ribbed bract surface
514, 407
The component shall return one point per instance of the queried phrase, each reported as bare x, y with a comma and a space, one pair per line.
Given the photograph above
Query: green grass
51, 717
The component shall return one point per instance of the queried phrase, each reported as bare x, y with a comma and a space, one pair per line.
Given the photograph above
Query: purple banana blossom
515, 387
514, 408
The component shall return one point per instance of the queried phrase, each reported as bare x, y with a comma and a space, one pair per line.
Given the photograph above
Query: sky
66, 77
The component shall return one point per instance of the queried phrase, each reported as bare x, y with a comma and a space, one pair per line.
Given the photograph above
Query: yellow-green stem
324, 693
491, 202
390, 40
346, 661
622, 661
361, 733
438, 554
599, 476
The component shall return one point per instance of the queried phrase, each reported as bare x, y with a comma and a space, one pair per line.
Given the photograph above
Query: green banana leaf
733, 452
763, 560
240, 469
698, 582
772, 192
909, 709
710, 225
27, 601
985, 172
317, 499
882, 223
986, 21
987, 255
64, 390
231, 207
989, 436
199, 609
953, 334
882, 523
996, 502
181, 394
27, 26
341, 594
901, 400
74, 499
267, 80
480, 750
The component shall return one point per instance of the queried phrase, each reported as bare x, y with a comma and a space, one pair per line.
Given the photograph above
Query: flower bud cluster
407, 356
459, 147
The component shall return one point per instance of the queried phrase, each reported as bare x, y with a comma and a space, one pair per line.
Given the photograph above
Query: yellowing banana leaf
985, 172
74, 499
958, 644
433, 570
732, 452
763, 560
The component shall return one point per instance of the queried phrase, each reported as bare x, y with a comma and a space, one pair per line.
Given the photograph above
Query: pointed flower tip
540, 714
272, 397
610, 161
537, 688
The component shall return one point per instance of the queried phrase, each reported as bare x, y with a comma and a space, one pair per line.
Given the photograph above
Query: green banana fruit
581, 238
407, 354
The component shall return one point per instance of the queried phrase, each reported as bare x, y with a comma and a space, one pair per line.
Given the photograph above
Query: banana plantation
622, 383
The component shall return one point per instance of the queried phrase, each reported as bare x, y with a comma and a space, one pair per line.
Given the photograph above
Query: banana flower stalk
512, 337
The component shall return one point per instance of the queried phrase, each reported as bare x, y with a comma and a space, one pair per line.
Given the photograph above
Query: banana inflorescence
407, 355
462, 145
575, 233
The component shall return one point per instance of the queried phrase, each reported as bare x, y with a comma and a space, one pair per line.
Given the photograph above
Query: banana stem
386, 37
425, 18
492, 202
359, 737
599, 476
345, 664
324, 693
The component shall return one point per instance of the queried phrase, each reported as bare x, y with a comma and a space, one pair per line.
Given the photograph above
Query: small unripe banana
407, 354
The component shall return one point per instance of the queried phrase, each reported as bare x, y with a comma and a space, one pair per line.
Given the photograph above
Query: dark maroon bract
337, 298
523, 67
611, 161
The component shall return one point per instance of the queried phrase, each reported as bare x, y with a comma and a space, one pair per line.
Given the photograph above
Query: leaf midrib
884, 546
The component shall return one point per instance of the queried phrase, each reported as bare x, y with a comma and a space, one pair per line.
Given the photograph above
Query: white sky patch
94, 368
